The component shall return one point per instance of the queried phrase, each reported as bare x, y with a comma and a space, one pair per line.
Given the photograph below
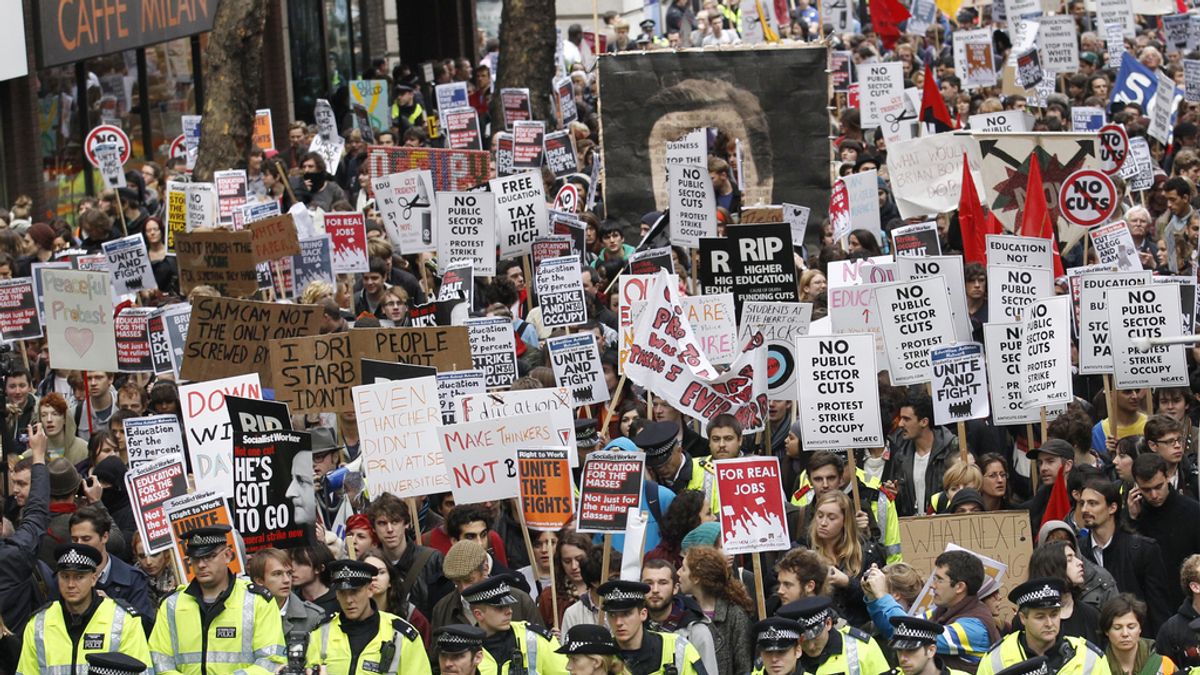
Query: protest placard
1136, 315
1114, 245
316, 374
481, 457
973, 59
274, 238
752, 506
547, 491
112, 170
878, 84
231, 194
177, 211
1138, 169
514, 104
555, 404
1086, 118
149, 439
405, 201
1095, 343
493, 349
132, 329
1116, 12
1046, 352
149, 487
79, 320
926, 173
1191, 80
460, 126
348, 238
397, 421
862, 190
504, 154
230, 337
223, 260
753, 262
949, 267
1027, 252
576, 363
780, 324
610, 485
1058, 45
713, 321
264, 137
325, 119
129, 264
1162, 109
451, 95
160, 343
918, 239
841, 70
209, 433
384, 371
273, 501
559, 285
1005, 120
560, 153
176, 319
456, 384
200, 509
958, 377
796, 217
1029, 63
839, 404
520, 212
915, 317
527, 144
314, 263
692, 205
553, 246
201, 205
1017, 287
564, 99
1187, 298
1003, 341
458, 279
467, 230
18, 310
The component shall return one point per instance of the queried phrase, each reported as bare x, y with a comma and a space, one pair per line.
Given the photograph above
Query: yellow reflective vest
245, 636
1087, 659
678, 652
859, 655
882, 507
329, 646
537, 646
48, 649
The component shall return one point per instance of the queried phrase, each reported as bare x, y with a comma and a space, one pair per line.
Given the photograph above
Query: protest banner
467, 230
576, 363
610, 485
79, 320
520, 212
273, 501
348, 238
314, 263
132, 330
493, 349
752, 506
18, 310
915, 317
1137, 314
527, 145
449, 168
514, 105
1087, 197
1026, 252
458, 279
878, 83
149, 439
926, 173
231, 194
460, 126
274, 238
316, 374
1095, 342
397, 422
456, 384
559, 286
230, 337
1017, 287
200, 509
209, 433
555, 404
129, 264
1046, 352
839, 403
1057, 43
560, 153
1003, 121
1004, 344
405, 201
1114, 246
918, 239
481, 457
149, 488
201, 205
112, 170
958, 377
547, 490
949, 267
973, 59
780, 324
692, 205
223, 260
753, 262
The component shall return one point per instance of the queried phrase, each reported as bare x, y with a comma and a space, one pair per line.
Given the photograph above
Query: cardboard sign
547, 491
79, 320
481, 457
149, 487
493, 349
959, 381
1114, 246
780, 324
456, 384
397, 421
926, 173
750, 491
560, 153
554, 404
527, 145
916, 240
692, 203
576, 363
610, 485
200, 509
274, 238
1015, 288
1027, 252
1046, 352
18, 310
1095, 343
460, 126
209, 433
520, 212
405, 201
467, 230
1141, 313
316, 374
129, 264
223, 260
230, 337
839, 403
753, 262
231, 194
273, 501
150, 439
514, 104
915, 318
314, 263
348, 237
559, 284
133, 339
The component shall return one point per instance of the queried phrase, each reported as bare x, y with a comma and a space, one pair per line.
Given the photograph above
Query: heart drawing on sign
80, 339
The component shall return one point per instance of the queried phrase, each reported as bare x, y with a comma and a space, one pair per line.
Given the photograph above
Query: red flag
886, 17
1035, 219
1060, 503
933, 106
970, 219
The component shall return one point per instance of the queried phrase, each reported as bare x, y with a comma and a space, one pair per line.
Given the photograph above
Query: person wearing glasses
1166, 437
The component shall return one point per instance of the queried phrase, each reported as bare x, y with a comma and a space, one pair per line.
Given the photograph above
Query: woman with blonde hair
591, 650
705, 575
833, 534
316, 291
957, 477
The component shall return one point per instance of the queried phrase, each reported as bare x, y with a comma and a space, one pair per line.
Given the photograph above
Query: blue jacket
965, 638
130, 584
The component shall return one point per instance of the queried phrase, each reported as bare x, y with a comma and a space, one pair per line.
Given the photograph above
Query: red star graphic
1011, 191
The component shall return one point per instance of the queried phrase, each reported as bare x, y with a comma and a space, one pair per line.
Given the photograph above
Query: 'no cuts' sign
104, 135
1087, 197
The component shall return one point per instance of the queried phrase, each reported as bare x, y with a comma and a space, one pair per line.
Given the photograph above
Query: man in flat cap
532, 647
645, 652
1039, 602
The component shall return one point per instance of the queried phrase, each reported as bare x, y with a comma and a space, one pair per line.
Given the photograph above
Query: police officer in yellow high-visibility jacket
1039, 602
914, 641
533, 648
825, 651
777, 645
827, 471
360, 639
218, 624
114, 663
645, 652
59, 636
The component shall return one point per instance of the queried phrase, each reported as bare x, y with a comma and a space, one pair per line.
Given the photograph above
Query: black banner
754, 262
274, 501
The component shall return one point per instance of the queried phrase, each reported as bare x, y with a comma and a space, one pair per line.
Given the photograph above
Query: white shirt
920, 462
1098, 549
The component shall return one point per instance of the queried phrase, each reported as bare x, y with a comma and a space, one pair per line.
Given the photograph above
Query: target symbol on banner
781, 364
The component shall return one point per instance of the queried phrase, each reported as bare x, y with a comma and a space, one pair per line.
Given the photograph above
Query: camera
297, 654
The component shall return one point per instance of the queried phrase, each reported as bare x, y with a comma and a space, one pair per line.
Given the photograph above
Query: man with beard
672, 612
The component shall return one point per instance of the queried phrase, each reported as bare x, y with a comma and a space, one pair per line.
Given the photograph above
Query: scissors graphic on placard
408, 206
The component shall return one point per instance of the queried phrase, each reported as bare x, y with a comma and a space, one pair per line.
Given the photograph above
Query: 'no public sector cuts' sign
839, 401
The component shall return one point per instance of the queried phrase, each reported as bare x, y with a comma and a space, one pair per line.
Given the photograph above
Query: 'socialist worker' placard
839, 400
611, 485
547, 492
